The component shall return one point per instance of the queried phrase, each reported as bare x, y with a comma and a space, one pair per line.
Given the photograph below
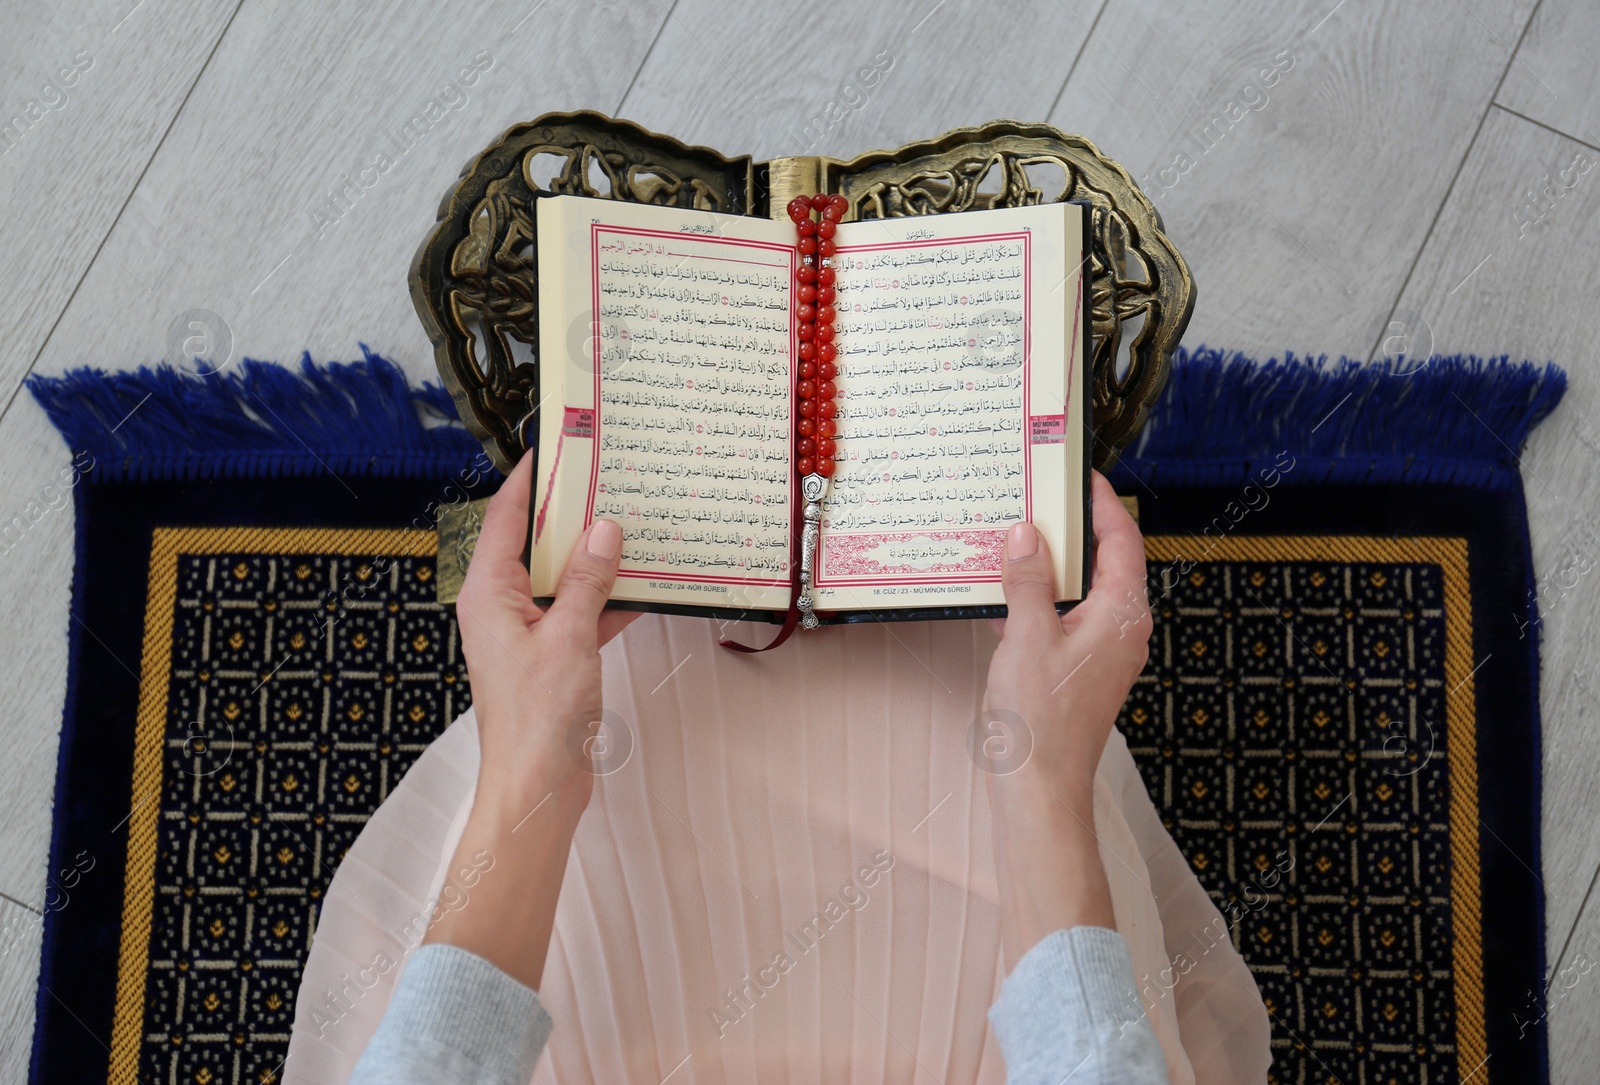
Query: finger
586, 583
1119, 548
1118, 590
1029, 583
613, 622
504, 533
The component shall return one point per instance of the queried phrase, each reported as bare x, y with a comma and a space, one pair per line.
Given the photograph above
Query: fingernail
605, 539
1021, 541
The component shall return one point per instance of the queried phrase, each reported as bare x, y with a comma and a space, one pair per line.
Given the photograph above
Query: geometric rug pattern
290, 680
1305, 727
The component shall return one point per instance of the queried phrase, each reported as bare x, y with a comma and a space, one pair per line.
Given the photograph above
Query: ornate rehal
474, 279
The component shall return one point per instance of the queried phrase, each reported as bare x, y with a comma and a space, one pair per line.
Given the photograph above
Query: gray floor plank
727, 75
1533, 296
35, 581
21, 932
73, 145
1555, 80
1301, 209
1570, 1000
233, 216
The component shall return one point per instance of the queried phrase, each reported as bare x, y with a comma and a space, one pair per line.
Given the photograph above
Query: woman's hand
536, 688
1056, 684
535, 673
1063, 678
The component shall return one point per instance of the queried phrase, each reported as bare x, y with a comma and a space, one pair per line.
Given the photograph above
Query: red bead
815, 315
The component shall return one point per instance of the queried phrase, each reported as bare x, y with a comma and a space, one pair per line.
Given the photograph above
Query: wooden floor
1421, 162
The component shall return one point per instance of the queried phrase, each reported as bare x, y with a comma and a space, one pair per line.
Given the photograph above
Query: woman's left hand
536, 689
535, 672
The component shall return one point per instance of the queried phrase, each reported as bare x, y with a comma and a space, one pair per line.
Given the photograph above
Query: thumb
1029, 584
586, 584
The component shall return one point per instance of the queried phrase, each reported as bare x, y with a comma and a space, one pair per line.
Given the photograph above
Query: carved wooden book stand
475, 286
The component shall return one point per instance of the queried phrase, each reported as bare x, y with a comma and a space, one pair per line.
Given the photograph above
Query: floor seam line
1449, 190
132, 191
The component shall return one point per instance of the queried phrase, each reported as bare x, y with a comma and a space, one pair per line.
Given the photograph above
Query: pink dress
785, 875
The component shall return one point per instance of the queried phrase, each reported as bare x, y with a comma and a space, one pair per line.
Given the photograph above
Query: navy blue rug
1340, 578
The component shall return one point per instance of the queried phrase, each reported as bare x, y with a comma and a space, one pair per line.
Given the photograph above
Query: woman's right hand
1062, 679
1057, 683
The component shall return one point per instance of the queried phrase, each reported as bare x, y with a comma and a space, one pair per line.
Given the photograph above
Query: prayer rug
1344, 644
1339, 721
257, 657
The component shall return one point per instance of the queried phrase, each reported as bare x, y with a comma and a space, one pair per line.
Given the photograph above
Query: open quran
673, 360
623, 308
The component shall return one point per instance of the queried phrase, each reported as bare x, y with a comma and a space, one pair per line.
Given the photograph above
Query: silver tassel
813, 488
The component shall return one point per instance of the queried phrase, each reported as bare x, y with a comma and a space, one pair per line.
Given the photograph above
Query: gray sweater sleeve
455, 1017
1068, 1013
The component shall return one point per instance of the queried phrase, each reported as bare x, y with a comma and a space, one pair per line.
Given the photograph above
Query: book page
668, 344
960, 392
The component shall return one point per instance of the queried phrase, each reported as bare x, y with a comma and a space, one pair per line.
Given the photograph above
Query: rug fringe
259, 419
1458, 420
